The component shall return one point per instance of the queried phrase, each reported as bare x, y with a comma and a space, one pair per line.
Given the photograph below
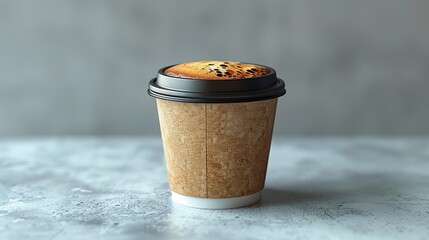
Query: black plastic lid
216, 91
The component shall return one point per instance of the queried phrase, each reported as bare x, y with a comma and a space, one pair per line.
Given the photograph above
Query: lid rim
212, 100
274, 91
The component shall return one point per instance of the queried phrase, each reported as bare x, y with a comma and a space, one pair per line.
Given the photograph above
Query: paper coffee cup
216, 136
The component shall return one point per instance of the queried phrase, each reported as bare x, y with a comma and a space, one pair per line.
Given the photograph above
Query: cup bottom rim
216, 203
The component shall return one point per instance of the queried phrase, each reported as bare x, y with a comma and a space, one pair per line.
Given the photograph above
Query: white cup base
216, 203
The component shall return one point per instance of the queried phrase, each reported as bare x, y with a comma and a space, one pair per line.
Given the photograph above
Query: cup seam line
205, 106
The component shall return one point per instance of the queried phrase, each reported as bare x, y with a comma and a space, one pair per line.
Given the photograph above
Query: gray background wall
82, 66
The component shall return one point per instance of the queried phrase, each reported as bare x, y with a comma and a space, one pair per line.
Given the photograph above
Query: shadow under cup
216, 137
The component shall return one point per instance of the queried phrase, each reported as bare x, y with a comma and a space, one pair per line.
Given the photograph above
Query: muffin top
216, 70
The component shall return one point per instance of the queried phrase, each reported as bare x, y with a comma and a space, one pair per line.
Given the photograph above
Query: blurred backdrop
81, 67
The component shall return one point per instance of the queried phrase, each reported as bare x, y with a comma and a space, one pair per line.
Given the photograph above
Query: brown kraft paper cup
216, 150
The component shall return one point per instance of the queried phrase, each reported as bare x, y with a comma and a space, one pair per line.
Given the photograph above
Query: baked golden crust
216, 70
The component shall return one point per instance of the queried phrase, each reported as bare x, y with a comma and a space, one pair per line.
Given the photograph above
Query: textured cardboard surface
216, 150
183, 128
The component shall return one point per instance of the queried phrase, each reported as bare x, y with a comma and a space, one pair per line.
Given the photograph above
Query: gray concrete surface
76, 67
326, 188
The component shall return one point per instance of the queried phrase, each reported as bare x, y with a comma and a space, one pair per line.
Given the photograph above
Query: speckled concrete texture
363, 188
